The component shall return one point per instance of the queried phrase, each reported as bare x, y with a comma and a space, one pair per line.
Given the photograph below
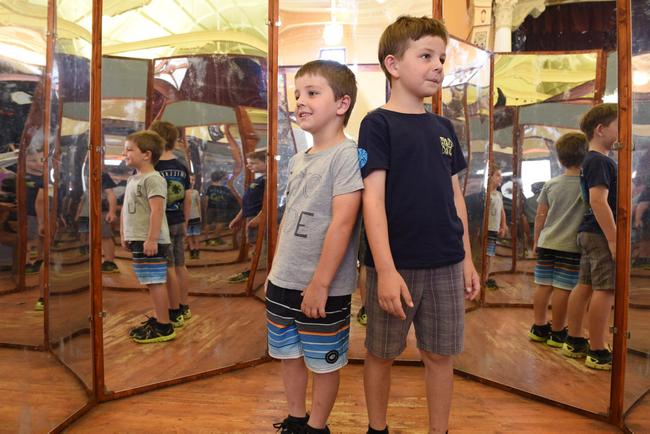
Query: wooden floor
20, 323
638, 419
497, 348
36, 393
222, 332
252, 400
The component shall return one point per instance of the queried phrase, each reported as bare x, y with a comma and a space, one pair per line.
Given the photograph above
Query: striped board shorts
149, 270
492, 243
557, 269
323, 342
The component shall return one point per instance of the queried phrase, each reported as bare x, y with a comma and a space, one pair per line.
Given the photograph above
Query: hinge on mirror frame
278, 23
102, 314
613, 330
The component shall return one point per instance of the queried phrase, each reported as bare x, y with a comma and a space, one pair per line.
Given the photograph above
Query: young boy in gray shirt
314, 271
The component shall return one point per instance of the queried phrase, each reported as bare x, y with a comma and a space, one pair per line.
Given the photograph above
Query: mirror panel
637, 375
206, 75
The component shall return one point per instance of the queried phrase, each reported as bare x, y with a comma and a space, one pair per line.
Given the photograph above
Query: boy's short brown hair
397, 36
150, 141
571, 149
494, 168
257, 155
167, 131
339, 77
601, 114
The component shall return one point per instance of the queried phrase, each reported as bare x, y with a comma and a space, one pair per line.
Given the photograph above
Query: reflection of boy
34, 190
109, 215
559, 213
194, 222
221, 205
597, 241
314, 270
177, 211
145, 233
496, 219
416, 223
252, 205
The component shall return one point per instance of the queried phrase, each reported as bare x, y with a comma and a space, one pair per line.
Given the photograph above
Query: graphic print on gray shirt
136, 211
314, 180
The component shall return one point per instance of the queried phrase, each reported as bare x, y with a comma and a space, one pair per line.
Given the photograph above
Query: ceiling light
333, 34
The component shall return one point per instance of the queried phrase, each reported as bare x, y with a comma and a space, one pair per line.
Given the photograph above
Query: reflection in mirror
536, 99
211, 94
637, 377
39, 391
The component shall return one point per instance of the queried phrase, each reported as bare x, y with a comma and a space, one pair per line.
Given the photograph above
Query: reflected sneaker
109, 267
362, 316
187, 313
599, 359
575, 348
33, 268
176, 318
540, 333
40, 304
137, 330
239, 277
491, 284
292, 425
154, 332
557, 339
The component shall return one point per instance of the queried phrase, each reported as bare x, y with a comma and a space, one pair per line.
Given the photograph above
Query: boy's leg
376, 385
183, 279
294, 377
160, 301
540, 303
599, 311
324, 390
576, 308
559, 301
439, 376
173, 292
108, 249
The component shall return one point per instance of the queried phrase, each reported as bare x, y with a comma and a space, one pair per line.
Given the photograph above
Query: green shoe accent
575, 349
154, 332
599, 359
40, 305
187, 313
176, 318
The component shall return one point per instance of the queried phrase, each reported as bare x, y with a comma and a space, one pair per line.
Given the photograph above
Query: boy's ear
392, 66
343, 105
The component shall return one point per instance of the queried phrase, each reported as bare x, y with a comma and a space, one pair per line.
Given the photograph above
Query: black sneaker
491, 284
362, 316
575, 348
375, 431
309, 430
176, 317
138, 330
109, 267
292, 425
540, 333
557, 338
599, 359
155, 332
33, 268
187, 313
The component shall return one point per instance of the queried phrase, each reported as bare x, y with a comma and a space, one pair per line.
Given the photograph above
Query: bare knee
378, 361
432, 359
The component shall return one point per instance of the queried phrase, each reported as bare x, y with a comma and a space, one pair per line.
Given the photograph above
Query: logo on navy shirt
363, 157
447, 146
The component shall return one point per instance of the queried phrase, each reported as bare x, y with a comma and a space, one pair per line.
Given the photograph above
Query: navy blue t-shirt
420, 153
33, 183
597, 169
107, 184
178, 181
253, 197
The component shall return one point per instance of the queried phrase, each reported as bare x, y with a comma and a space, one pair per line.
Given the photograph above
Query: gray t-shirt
136, 210
314, 180
566, 209
195, 209
496, 206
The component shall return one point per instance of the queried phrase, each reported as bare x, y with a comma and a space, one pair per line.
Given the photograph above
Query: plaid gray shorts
176, 252
438, 313
597, 268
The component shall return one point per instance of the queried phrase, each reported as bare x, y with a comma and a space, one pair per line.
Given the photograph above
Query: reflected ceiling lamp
333, 32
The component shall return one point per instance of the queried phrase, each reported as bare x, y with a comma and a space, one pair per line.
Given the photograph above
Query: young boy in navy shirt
419, 262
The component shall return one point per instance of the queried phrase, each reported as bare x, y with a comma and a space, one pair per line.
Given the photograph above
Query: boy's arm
157, 205
472, 281
122, 240
187, 205
112, 205
604, 216
540, 221
345, 212
503, 226
39, 205
390, 284
640, 209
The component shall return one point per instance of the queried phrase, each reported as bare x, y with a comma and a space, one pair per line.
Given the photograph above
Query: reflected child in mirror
560, 210
497, 226
221, 205
194, 222
145, 233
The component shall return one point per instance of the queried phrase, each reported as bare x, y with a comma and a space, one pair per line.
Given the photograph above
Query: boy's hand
390, 286
612, 248
472, 281
234, 224
150, 248
110, 217
502, 232
124, 243
313, 300
254, 222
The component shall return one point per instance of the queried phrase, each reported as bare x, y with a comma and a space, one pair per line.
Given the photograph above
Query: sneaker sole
110, 271
533, 337
571, 354
155, 340
592, 363
552, 343
39, 308
178, 325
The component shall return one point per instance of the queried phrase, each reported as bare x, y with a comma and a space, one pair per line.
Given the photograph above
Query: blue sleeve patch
363, 157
